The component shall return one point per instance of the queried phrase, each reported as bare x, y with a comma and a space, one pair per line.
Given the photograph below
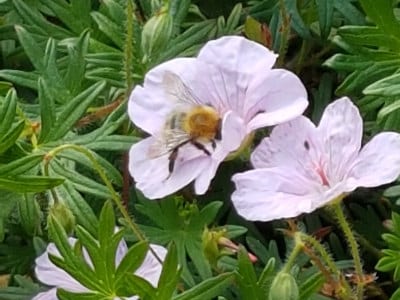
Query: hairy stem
351, 240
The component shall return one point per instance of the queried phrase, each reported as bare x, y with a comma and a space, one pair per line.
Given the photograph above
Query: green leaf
7, 113
22, 165
132, 260
26, 184
80, 208
194, 35
381, 12
9, 139
311, 285
74, 109
170, 274
47, 110
207, 289
75, 265
112, 30
247, 277
368, 36
388, 86
79, 181
233, 20
325, 13
75, 16
32, 16
31, 47
23, 78
76, 63
296, 21
139, 287
106, 223
29, 214
349, 11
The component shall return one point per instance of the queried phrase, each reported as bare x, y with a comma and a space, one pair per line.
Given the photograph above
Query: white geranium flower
301, 167
51, 275
199, 110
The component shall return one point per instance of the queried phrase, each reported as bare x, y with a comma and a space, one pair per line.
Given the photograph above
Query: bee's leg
218, 135
172, 158
213, 144
201, 147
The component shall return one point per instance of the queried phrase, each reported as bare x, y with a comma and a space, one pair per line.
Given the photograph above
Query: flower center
321, 173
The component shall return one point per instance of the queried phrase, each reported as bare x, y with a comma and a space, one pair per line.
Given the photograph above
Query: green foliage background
66, 69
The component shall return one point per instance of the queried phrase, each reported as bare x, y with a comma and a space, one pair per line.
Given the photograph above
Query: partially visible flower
301, 167
225, 93
51, 275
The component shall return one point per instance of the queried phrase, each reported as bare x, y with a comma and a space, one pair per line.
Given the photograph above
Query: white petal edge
237, 54
151, 268
378, 162
48, 295
51, 275
148, 104
274, 97
270, 194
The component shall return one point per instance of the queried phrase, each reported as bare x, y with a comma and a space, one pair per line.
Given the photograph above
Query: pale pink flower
301, 167
233, 78
53, 276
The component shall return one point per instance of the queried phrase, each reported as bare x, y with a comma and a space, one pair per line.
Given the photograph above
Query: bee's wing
177, 90
168, 141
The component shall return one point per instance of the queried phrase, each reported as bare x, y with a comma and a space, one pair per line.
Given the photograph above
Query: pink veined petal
294, 145
274, 97
253, 201
237, 54
378, 162
269, 194
144, 168
51, 275
151, 267
149, 104
341, 130
48, 295
152, 175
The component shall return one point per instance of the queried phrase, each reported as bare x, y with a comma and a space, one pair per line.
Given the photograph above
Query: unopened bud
61, 212
157, 32
284, 287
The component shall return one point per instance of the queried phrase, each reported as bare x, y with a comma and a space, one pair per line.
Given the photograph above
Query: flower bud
157, 32
61, 212
283, 287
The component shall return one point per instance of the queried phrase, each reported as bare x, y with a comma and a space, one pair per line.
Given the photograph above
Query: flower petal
256, 202
48, 295
152, 175
233, 131
341, 130
378, 162
274, 97
51, 275
269, 194
121, 251
237, 54
151, 267
293, 145
149, 104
